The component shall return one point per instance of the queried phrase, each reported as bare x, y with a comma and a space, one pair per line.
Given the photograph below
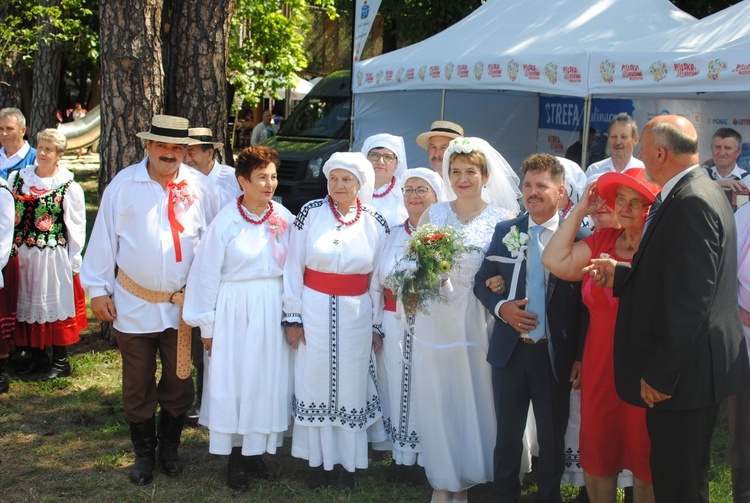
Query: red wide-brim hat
634, 178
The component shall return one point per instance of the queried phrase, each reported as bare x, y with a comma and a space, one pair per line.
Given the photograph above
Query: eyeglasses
420, 191
376, 156
634, 204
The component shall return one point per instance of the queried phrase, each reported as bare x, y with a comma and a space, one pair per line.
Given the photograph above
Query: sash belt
336, 284
390, 300
176, 298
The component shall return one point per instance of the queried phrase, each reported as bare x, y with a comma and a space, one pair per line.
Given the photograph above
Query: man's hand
514, 315
294, 335
735, 185
575, 375
602, 270
651, 396
208, 344
103, 308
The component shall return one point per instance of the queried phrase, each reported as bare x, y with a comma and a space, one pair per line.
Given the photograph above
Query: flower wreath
461, 146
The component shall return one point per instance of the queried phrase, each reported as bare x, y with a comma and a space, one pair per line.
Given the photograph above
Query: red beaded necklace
338, 217
387, 191
247, 218
407, 227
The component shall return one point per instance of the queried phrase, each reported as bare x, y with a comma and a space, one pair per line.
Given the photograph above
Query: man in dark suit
679, 346
532, 355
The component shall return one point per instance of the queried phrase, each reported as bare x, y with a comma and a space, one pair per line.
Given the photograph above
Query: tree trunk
47, 63
132, 89
196, 78
10, 82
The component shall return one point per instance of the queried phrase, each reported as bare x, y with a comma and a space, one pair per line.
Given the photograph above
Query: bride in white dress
454, 391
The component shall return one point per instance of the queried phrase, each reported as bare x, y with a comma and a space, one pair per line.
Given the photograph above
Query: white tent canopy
485, 72
713, 55
527, 45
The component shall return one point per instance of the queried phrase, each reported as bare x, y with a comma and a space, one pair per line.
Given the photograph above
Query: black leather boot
194, 411
143, 436
39, 362
256, 467
238, 477
60, 364
170, 430
320, 478
741, 485
4, 382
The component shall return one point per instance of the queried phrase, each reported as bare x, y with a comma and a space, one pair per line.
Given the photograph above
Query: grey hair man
16, 153
622, 139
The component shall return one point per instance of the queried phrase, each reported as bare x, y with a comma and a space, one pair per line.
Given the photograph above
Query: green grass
68, 441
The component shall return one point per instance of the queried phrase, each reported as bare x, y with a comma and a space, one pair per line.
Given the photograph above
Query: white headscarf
502, 187
429, 176
575, 179
393, 143
358, 165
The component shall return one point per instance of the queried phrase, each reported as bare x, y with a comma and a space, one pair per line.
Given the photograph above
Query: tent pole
585, 131
442, 106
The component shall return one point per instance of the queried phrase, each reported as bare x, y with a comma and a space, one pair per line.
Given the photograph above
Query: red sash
390, 300
336, 284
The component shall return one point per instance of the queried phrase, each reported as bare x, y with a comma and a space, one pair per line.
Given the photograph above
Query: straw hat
634, 178
439, 128
203, 136
168, 129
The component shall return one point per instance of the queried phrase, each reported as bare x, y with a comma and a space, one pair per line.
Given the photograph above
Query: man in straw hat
436, 140
200, 156
150, 220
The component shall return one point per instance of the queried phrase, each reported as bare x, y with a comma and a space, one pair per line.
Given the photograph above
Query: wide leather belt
177, 298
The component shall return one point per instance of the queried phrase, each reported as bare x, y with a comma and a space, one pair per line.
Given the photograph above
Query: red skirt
8, 304
56, 333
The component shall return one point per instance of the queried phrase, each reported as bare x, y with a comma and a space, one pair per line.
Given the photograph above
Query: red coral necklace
388, 190
247, 218
338, 217
407, 227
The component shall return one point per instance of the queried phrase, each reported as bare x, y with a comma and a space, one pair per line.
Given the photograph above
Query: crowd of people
593, 323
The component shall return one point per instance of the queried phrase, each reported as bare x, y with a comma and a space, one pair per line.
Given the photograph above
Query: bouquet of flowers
429, 257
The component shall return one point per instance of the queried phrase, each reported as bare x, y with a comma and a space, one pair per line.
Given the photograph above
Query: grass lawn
68, 440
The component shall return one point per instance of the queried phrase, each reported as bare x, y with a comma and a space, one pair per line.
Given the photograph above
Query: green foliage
23, 25
266, 45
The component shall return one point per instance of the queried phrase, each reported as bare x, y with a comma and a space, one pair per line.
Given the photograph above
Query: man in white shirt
150, 220
264, 130
200, 156
436, 140
622, 139
16, 153
726, 148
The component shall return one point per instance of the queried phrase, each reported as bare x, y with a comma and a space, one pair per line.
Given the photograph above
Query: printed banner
364, 15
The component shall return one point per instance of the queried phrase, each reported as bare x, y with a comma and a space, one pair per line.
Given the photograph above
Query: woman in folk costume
329, 317
387, 155
421, 187
49, 236
234, 295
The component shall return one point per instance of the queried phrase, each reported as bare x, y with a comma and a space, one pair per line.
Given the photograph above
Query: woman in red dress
613, 433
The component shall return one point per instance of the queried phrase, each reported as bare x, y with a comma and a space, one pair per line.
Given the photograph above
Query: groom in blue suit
536, 343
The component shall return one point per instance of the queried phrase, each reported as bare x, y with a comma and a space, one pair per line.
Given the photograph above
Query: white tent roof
529, 45
712, 55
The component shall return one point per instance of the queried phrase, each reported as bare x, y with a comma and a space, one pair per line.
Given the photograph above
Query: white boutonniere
516, 241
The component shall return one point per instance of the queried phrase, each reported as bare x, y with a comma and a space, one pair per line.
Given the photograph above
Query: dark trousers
680, 452
528, 378
140, 392
738, 453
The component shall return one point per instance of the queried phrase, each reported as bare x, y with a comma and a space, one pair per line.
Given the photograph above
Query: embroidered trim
299, 222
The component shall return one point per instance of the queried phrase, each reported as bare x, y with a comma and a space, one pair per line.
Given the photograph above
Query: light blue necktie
536, 290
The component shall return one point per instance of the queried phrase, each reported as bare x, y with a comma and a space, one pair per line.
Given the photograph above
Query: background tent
701, 72
485, 71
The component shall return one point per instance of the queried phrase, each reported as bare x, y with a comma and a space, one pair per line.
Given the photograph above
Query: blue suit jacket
567, 317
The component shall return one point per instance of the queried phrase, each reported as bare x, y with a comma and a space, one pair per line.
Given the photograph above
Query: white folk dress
390, 203
454, 398
395, 365
335, 399
45, 286
234, 294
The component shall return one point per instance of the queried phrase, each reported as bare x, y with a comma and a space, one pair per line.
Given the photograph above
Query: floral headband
462, 146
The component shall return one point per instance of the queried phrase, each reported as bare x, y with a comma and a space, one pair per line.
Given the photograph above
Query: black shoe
397, 473
319, 478
60, 368
238, 477
39, 363
143, 436
256, 467
417, 476
4, 383
170, 429
344, 478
